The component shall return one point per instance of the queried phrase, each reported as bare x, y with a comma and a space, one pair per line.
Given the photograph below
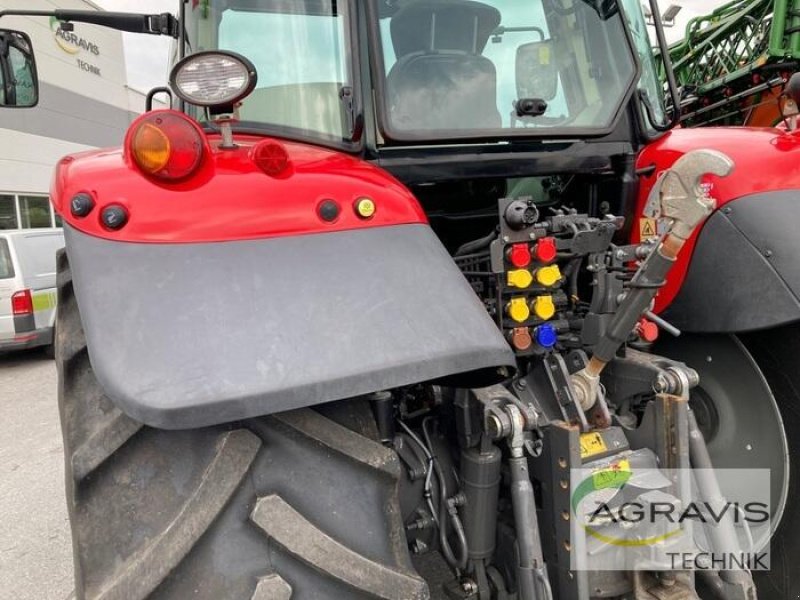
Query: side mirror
19, 82
537, 73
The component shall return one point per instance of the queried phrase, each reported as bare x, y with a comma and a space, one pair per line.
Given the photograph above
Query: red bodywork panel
765, 160
230, 197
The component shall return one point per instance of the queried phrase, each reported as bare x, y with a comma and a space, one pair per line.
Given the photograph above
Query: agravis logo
642, 515
70, 42
615, 477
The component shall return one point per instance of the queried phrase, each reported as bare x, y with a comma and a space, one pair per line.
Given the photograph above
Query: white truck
28, 288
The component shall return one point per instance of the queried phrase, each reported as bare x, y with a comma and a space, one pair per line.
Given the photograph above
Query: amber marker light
365, 208
151, 148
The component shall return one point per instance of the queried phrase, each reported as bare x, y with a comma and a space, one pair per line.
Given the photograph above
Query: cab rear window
6, 268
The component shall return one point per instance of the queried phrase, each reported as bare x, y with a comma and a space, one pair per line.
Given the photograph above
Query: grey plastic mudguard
744, 274
187, 335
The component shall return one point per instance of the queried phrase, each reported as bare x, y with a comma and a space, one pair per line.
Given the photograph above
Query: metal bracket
163, 24
561, 534
506, 416
558, 376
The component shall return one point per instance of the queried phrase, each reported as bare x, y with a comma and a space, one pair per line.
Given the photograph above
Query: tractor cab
386, 78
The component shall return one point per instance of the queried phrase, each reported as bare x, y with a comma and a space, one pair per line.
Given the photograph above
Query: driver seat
440, 80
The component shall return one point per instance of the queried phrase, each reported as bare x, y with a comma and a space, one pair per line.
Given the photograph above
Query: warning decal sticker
647, 228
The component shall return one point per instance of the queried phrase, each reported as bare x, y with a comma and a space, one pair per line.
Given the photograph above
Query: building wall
84, 102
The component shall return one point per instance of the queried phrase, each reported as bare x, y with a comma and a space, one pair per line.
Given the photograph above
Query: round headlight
213, 78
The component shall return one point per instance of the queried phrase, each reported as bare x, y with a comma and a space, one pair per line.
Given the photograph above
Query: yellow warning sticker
591, 444
647, 228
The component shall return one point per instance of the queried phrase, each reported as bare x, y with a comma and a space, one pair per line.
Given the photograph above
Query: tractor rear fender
187, 335
239, 293
744, 274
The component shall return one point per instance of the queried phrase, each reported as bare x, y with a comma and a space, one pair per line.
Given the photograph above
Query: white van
28, 287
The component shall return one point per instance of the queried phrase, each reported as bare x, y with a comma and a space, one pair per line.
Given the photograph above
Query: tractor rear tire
299, 505
777, 353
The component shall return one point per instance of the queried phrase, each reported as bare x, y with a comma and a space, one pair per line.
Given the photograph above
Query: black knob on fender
328, 211
81, 205
114, 216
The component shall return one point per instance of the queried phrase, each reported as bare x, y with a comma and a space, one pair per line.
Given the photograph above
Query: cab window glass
6, 268
649, 83
23, 77
34, 211
8, 212
300, 50
457, 66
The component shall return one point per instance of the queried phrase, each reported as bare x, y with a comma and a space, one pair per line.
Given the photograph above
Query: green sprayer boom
732, 65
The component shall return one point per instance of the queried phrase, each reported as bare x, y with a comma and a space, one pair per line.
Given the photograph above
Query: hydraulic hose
458, 528
428, 471
447, 508
476, 245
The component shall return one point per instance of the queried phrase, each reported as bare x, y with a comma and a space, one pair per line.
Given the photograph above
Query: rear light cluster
22, 303
166, 145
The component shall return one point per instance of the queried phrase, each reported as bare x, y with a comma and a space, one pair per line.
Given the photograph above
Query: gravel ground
35, 552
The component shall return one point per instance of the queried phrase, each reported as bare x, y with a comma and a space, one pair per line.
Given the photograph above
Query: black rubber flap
187, 335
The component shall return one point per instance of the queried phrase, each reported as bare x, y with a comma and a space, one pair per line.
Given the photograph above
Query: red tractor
425, 299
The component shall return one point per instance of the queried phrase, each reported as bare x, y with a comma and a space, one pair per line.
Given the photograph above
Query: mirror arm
665, 57
161, 24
